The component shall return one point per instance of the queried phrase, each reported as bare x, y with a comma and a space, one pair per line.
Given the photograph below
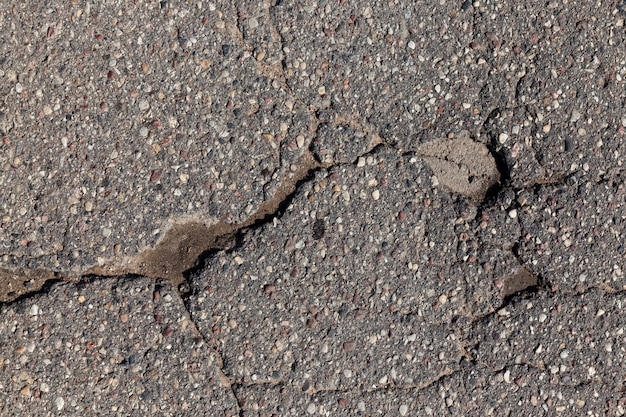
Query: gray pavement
312, 208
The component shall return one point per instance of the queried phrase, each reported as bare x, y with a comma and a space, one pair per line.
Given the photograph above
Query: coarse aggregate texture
541, 85
340, 143
365, 258
183, 112
372, 208
107, 347
576, 340
475, 391
573, 234
148, 109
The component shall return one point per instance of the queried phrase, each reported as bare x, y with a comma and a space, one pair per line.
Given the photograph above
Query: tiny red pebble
103, 106
50, 31
157, 296
99, 37
348, 345
123, 318
156, 124
342, 402
167, 331
155, 175
401, 216
110, 75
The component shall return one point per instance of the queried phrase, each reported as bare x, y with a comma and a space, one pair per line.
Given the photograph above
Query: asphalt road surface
324, 208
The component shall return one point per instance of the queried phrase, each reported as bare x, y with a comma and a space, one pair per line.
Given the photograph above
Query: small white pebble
60, 402
143, 132
513, 214
404, 409
503, 137
411, 44
375, 194
34, 310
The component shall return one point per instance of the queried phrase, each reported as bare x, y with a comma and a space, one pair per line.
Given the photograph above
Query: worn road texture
325, 208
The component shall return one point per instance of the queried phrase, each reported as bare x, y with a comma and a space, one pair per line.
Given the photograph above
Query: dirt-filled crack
183, 247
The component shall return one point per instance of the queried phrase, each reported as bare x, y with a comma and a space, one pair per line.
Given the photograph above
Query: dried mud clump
462, 165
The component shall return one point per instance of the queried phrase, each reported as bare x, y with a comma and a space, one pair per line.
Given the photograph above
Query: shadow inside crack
521, 280
182, 250
266, 213
18, 283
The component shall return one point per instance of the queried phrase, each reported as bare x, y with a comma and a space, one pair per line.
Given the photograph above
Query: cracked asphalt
237, 208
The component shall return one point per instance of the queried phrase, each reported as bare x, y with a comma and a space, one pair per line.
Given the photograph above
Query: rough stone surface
108, 346
573, 340
149, 108
454, 244
340, 143
347, 275
476, 391
573, 234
